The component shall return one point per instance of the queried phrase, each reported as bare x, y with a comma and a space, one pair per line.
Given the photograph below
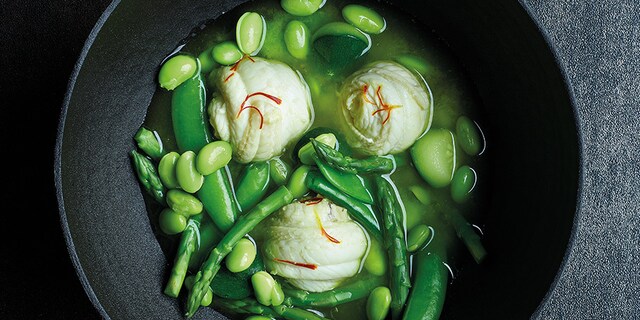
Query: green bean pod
393, 233
361, 212
349, 183
253, 184
334, 158
218, 199
188, 114
429, 288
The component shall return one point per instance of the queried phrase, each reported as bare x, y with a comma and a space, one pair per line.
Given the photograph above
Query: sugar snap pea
429, 288
188, 115
358, 210
253, 184
218, 200
334, 158
349, 183
148, 176
279, 198
393, 233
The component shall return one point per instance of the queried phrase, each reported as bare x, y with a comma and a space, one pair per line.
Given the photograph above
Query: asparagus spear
251, 306
244, 225
148, 176
465, 232
393, 233
149, 142
350, 292
334, 158
189, 243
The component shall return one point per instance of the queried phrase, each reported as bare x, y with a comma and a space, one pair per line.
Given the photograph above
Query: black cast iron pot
531, 131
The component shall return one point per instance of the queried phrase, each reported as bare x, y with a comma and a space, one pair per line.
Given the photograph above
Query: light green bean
301, 7
171, 222
463, 182
297, 38
297, 184
226, 53
378, 303
176, 70
167, 170
183, 203
417, 237
213, 156
251, 30
241, 256
364, 18
189, 179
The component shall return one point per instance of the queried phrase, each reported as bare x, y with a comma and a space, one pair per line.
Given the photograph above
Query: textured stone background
598, 44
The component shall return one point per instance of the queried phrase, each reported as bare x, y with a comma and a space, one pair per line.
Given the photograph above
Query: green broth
453, 96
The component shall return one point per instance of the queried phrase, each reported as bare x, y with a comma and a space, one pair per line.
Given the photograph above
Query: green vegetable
208, 297
236, 285
466, 233
297, 184
171, 222
251, 30
209, 237
206, 61
343, 294
290, 313
267, 290
167, 170
253, 184
418, 237
301, 7
376, 261
340, 44
423, 195
187, 246
307, 152
242, 256
359, 211
296, 38
339, 143
188, 115
250, 306
364, 18
434, 156
148, 176
429, 288
217, 198
258, 318
463, 182
393, 233
189, 179
149, 142
334, 158
183, 203
349, 183
226, 53
279, 171
414, 63
378, 303
213, 156
469, 136
176, 70
244, 225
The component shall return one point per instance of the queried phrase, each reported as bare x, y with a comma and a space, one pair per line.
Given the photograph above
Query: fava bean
176, 70
242, 256
412, 62
378, 303
207, 299
469, 136
258, 318
279, 171
267, 290
183, 202
418, 237
171, 222
363, 18
167, 170
213, 156
189, 179
251, 30
297, 184
434, 156
423, 195
226, 53
297, 38
206, 61
376, 261
301, 7
464, 180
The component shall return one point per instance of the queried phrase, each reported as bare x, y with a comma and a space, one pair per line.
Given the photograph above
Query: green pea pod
218, 200
429, 288
349, 183
188, 114
253, 184
361, 212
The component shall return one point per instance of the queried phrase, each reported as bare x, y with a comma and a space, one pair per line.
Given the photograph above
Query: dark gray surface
598, 42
